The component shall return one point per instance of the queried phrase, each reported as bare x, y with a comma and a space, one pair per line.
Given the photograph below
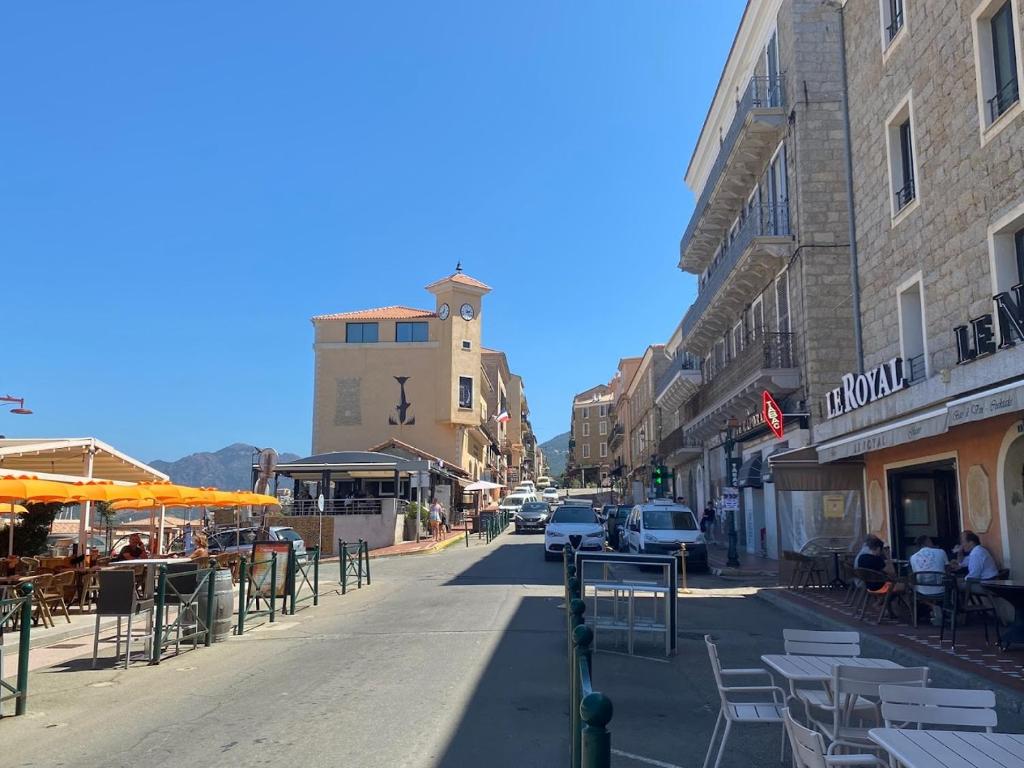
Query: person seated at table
201, 549
874, 559
865, 548
135, 550
930, 558
977, 563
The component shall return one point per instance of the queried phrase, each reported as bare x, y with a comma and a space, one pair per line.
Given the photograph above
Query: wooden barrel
223, 605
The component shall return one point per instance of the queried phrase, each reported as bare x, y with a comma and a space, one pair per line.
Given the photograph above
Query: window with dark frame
465, 392
1018, 247
361, 333
906, 193
410, 332
895, 19
1004, 62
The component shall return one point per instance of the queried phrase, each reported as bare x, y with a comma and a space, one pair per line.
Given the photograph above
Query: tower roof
460, 278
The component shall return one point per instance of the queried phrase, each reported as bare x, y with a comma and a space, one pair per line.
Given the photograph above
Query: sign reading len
772, 414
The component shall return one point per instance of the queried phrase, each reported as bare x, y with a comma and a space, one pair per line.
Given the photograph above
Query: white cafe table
951, 749
818, 669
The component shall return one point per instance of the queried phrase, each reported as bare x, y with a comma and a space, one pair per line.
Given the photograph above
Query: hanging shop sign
979, 339
772, 414
859, 389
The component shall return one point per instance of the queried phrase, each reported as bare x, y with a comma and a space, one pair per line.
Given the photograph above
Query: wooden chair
903, 707
928, 580
968, 602
27, 565
851, 684
805, 569
883, 595
40, 585
54, 593
89, 590
749, 711
809, 749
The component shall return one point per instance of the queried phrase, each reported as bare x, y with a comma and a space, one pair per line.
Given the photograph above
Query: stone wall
378, 531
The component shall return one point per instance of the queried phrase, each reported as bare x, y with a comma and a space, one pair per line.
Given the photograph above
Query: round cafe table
1012, 592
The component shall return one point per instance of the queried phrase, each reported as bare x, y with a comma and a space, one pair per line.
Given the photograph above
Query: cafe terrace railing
353, 563
19, 608
304, 579
492, 526
590, 711
255, 578
182, 588
335, 507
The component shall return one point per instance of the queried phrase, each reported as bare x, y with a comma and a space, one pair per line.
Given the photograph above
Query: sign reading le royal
859, 389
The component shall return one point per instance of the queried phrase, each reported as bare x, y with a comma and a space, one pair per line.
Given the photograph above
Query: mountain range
230, 468
556, 453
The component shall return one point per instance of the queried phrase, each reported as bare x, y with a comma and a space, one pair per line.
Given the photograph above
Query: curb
879, 647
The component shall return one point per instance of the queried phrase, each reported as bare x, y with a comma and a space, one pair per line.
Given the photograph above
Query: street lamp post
21, 410
732, 556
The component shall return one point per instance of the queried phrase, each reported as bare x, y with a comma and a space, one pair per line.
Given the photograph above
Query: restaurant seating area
833, 706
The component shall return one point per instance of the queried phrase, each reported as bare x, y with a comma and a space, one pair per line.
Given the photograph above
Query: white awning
921, 425
984, 405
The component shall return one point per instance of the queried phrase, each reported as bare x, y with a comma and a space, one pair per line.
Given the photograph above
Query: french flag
502, 417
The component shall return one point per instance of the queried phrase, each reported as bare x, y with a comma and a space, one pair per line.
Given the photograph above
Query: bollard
582, 637
344, 566
366, 555
682, 560
316, 576
211, 588
596, 742
273, 587
243, 582
467, 535
291, 577
359, 566
158, 619
24, 646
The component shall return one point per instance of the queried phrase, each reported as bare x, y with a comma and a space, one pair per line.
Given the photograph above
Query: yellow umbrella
94, 490
166, 493
28, 488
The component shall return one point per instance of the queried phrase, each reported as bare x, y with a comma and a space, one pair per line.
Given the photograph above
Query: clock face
444, 311
466, 311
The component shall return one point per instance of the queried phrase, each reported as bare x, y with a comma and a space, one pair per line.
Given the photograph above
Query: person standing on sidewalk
707, 523
436, 514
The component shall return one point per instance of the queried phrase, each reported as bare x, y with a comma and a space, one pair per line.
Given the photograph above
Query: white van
659, 527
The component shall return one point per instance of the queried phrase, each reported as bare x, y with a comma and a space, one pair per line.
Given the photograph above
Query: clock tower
459, 307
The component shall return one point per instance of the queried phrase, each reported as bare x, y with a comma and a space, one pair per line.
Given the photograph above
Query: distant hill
556, 453
229, 468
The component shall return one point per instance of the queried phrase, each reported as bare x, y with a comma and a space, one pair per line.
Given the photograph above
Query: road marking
648, 760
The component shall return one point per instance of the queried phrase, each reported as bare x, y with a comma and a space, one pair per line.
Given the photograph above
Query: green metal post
366, 554
273, 587
316, 576
580, 634
158, 620
595, 740
243, 582
359, 566
291, 578
344, 566
211, 586
24, 646
467, 535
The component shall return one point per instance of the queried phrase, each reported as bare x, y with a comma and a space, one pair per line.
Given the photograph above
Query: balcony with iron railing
678, 382
755, 131
615, 436
768, 362
1005, 97
755, 253
679, 442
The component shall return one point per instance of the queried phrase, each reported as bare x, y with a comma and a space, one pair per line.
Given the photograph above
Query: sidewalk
457, 533
750, 565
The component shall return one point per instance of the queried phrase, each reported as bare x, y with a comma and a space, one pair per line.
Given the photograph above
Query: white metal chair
810, 642
809, 749
743, 712
905, 706
849, 685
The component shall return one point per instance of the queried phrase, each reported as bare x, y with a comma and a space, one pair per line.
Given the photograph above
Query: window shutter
782, 301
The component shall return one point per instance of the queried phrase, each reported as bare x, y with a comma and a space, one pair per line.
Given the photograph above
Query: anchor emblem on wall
405, 418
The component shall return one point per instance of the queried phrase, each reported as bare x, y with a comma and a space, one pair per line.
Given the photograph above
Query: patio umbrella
14, 510
29, 488
482, 485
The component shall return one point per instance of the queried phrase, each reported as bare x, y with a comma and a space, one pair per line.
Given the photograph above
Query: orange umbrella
96, 490
167, 493
28, 488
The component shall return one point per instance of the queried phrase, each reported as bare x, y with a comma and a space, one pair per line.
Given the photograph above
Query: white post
160, 530
83, 517
419, 497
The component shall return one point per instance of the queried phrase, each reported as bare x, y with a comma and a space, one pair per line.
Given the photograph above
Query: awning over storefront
800, 470
750, 472
986, 404
916, 427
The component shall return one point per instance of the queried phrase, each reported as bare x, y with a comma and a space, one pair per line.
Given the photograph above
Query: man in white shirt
980, 564
929, 558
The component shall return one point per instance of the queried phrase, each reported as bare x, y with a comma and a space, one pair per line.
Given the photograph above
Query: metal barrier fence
300, 573
590, 711
21, 608
494, 525
251, 587
357, 567
182, 588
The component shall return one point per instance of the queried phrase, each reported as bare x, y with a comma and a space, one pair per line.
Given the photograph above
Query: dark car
616, 520
532, 516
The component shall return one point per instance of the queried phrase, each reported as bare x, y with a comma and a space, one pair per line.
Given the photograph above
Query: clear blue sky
183, 185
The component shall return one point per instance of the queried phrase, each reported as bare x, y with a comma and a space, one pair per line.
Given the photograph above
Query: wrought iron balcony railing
915, 369
681, 361
905, 195
1004, 98
895, 25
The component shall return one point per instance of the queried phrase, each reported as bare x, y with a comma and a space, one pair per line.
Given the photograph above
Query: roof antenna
458, 268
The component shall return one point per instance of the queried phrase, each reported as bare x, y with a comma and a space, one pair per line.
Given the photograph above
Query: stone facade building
938, 178
589, 433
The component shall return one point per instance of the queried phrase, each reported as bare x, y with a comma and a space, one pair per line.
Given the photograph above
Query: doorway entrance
1013, 493
923, 499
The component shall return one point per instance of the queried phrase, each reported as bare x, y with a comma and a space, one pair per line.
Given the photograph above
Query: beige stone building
644, 417
415, 375
589, 458
618, 440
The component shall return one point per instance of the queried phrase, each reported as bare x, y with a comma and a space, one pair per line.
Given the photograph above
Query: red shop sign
772, 414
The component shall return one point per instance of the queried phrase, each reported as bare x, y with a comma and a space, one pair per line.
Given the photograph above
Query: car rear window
669, 520
288, 534
535, 506
573, 514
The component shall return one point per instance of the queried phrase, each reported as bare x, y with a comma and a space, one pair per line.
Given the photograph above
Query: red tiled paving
971, 655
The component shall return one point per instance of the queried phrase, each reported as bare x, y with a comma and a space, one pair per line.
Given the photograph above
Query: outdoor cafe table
1012, 592
951, 749
818, 669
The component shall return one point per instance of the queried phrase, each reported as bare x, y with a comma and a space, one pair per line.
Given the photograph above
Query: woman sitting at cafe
200, 547
135, 550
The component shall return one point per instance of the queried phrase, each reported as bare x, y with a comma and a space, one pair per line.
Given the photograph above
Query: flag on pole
502, 417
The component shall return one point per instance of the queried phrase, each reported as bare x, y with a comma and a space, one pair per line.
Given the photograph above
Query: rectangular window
771, 55
782, 302
1004, 62
602, 411
756, 319
586, 450
604, 450
737, 339
892, 19
406, 332
466, 345
465, 392
901, 145
1006, 259
719, 355
602, 428
586, 429
360, 333
997, 51
912, 342
1018, 247
586, 413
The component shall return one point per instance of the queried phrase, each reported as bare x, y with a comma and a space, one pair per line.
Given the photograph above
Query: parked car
532, 516
615, 523
239, 540
660, 526
526, 486
514, 501
550, 494
573, 524
56, 542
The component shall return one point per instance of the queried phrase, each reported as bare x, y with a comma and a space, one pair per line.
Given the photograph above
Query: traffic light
657, 477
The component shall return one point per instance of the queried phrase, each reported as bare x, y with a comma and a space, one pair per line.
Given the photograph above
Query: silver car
239, 540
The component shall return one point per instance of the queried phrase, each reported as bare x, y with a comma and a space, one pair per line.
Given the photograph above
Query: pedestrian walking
707, 523
436, 515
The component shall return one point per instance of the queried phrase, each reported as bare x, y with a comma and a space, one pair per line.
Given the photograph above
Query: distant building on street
590, 428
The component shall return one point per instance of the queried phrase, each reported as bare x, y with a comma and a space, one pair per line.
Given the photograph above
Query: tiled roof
459, 277
380, 313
